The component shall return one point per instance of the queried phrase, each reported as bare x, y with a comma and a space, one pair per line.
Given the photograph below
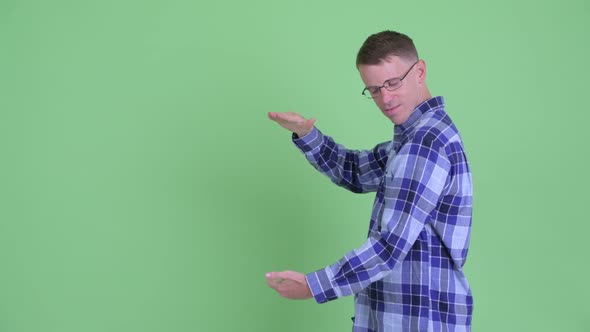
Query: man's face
397, 105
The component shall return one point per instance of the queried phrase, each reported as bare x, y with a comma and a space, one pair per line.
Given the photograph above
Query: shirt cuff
309, 142
320, 285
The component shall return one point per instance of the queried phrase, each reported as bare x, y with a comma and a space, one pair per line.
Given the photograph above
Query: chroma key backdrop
143, 188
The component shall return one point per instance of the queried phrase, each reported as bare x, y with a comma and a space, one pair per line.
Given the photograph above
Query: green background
142, 187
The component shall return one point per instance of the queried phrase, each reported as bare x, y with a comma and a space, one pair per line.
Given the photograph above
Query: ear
421, 70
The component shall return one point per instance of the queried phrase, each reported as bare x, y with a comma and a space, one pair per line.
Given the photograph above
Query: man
408, 274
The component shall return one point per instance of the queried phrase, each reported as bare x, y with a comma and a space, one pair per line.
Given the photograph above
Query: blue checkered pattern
408, 274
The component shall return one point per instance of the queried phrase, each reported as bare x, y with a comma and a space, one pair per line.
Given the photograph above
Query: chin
392, 119
398, 120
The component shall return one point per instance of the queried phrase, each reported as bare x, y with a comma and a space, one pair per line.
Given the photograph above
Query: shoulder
436, 130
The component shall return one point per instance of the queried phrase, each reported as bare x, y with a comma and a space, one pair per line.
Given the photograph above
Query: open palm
293, 122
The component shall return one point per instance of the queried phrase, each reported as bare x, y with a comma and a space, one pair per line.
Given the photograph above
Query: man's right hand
293, 122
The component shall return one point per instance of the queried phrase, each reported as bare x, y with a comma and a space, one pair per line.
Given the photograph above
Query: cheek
406, 95
378, 103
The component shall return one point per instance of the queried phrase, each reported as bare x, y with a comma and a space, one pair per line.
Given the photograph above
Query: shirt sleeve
414, 181
357, 171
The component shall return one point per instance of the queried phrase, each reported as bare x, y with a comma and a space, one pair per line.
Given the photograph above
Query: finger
277, 117
279, 275
274, 279
284, 279
288, 275
285, 117
274, 116
294, 276
271, 283
289, 116
285, 276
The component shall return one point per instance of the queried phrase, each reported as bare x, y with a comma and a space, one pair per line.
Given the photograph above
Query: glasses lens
393, 84
369, 94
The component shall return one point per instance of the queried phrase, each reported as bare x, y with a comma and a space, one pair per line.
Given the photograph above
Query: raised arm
357, 171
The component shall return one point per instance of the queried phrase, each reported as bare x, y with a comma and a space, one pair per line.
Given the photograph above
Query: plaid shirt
407, 275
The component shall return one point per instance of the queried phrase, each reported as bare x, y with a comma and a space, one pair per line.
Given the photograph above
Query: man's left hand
289, 284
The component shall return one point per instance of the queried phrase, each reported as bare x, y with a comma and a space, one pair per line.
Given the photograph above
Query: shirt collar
403, 129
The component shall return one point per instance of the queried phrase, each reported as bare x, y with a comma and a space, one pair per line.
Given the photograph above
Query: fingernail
268, 275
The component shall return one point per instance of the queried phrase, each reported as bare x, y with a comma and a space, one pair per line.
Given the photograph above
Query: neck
424, 95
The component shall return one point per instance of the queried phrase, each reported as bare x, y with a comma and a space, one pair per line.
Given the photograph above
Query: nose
386, 95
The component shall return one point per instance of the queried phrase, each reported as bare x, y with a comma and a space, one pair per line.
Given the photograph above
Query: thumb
274, 279
276, 275
285, 275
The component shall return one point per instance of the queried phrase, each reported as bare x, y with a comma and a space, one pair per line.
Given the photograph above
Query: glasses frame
386, 85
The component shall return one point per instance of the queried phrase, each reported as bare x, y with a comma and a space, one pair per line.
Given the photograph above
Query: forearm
358, 171
357, 269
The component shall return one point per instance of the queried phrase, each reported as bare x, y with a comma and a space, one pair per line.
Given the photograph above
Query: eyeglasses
390, 85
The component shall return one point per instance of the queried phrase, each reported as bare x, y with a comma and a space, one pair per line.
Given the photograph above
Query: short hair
384, 44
